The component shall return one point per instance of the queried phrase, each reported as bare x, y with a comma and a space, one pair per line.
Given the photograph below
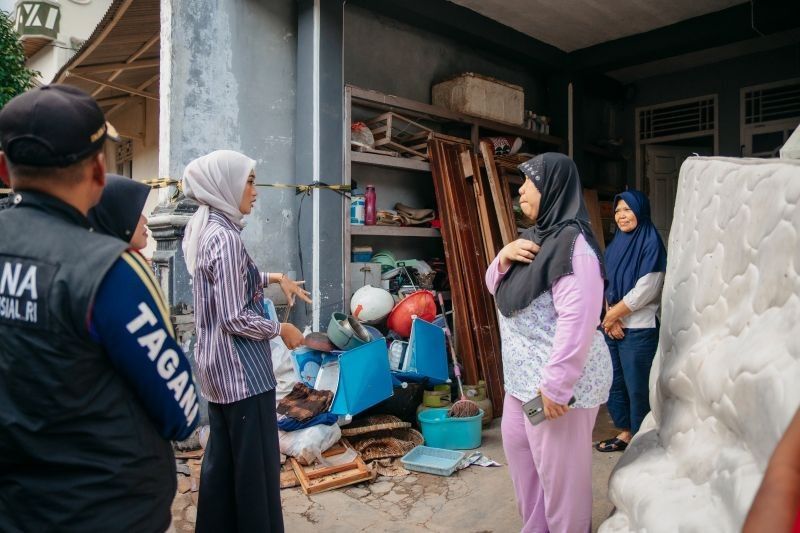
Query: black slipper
611, 445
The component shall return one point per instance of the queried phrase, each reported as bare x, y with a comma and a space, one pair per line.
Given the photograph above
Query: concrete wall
395, 58
229, 83
724, 79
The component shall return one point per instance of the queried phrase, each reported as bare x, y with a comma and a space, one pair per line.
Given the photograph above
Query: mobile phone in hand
534, 409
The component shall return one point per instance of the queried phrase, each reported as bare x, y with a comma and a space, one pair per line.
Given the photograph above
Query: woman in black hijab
549, 290
119, 212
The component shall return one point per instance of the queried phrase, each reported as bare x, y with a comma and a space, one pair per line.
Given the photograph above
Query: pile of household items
475, 209
349, 398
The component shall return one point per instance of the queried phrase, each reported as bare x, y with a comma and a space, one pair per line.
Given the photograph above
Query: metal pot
346, 332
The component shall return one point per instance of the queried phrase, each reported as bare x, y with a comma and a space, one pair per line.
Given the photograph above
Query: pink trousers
551, 468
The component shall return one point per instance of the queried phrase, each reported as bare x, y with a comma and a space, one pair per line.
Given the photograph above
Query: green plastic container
450, 433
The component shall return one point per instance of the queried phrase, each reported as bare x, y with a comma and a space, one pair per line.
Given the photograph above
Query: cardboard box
481, 96
364, 274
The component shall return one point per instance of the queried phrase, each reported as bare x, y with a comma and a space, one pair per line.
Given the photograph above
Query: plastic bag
282, 367
361, 135
309, 443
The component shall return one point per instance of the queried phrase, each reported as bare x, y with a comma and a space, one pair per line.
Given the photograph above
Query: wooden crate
397, 133
315, 478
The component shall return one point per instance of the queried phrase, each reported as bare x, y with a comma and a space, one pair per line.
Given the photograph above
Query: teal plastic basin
450, 433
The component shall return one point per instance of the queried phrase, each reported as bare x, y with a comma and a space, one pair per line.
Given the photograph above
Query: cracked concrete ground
474, 500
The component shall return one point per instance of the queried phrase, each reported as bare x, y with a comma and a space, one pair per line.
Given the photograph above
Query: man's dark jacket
77, 452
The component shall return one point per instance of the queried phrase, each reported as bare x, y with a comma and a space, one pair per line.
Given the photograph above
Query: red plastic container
420, 303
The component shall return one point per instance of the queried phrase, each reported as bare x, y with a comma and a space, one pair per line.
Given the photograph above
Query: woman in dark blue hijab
636, 261
119, 212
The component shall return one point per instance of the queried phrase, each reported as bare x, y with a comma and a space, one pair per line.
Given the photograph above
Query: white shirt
644, 300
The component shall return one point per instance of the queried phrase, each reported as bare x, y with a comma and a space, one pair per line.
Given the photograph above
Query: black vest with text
77, 451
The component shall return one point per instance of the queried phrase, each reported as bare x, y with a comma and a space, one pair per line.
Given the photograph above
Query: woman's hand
553, 410
521, 250
292, 289
615, 330
291, 336
615, 313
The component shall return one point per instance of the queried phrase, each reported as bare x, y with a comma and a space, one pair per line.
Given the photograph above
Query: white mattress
726, 378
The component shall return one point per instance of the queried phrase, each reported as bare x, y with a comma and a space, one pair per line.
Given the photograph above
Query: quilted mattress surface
725, 382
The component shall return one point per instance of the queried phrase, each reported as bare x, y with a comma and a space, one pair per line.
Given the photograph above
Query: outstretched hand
292, 289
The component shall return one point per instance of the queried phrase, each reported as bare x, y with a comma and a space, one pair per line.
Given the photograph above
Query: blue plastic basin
450, 433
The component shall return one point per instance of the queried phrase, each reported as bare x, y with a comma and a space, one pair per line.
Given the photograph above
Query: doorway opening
666, 134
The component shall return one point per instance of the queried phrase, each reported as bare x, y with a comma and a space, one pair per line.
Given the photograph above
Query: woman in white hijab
240, 478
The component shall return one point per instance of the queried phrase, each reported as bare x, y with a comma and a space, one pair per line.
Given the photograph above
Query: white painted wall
78, 21
138, 121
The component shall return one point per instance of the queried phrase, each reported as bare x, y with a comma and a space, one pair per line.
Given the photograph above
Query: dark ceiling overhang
468, 27
735, 24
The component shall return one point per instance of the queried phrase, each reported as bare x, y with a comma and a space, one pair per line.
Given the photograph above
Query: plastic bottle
357, 203
370, 209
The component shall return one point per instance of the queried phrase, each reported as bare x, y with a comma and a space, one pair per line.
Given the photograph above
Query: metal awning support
113, 85
118, 66
119, 63
140, 87
94, 43
133, 57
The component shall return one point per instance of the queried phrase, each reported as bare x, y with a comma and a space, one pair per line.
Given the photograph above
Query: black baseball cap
53, 126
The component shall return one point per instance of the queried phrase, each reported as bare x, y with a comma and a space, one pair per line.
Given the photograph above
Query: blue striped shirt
232, 350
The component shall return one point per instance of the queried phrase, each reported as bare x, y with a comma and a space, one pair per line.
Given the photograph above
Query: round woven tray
373, 424
394, 443
389, 467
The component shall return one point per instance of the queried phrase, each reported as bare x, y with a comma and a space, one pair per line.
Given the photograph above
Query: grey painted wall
389, 56
232, 86
724, 79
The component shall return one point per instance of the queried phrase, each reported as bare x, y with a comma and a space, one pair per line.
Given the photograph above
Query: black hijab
117, 213
562, 217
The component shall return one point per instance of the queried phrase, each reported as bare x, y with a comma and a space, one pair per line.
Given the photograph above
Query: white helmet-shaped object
370, 304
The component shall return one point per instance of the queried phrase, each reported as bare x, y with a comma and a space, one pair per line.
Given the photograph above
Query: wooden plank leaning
479, 342
452, 218
502, 205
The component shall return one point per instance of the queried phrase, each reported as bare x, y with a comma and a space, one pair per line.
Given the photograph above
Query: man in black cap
92, 383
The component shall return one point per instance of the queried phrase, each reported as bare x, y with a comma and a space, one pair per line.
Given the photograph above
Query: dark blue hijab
633, 255
117, 213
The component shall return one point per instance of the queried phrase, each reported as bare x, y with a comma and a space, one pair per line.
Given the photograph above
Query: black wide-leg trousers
240, 477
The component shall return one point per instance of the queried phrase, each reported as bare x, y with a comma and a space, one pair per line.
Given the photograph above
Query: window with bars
686, 118
125, 158
769, 114
772, 103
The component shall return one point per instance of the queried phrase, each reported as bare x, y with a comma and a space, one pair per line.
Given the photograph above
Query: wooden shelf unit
404, 106
380, 102
395, 231
386, 161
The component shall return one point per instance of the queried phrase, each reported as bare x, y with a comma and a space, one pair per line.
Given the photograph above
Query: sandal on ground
611, 445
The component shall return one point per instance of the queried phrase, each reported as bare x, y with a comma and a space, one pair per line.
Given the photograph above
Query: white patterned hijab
214, 180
